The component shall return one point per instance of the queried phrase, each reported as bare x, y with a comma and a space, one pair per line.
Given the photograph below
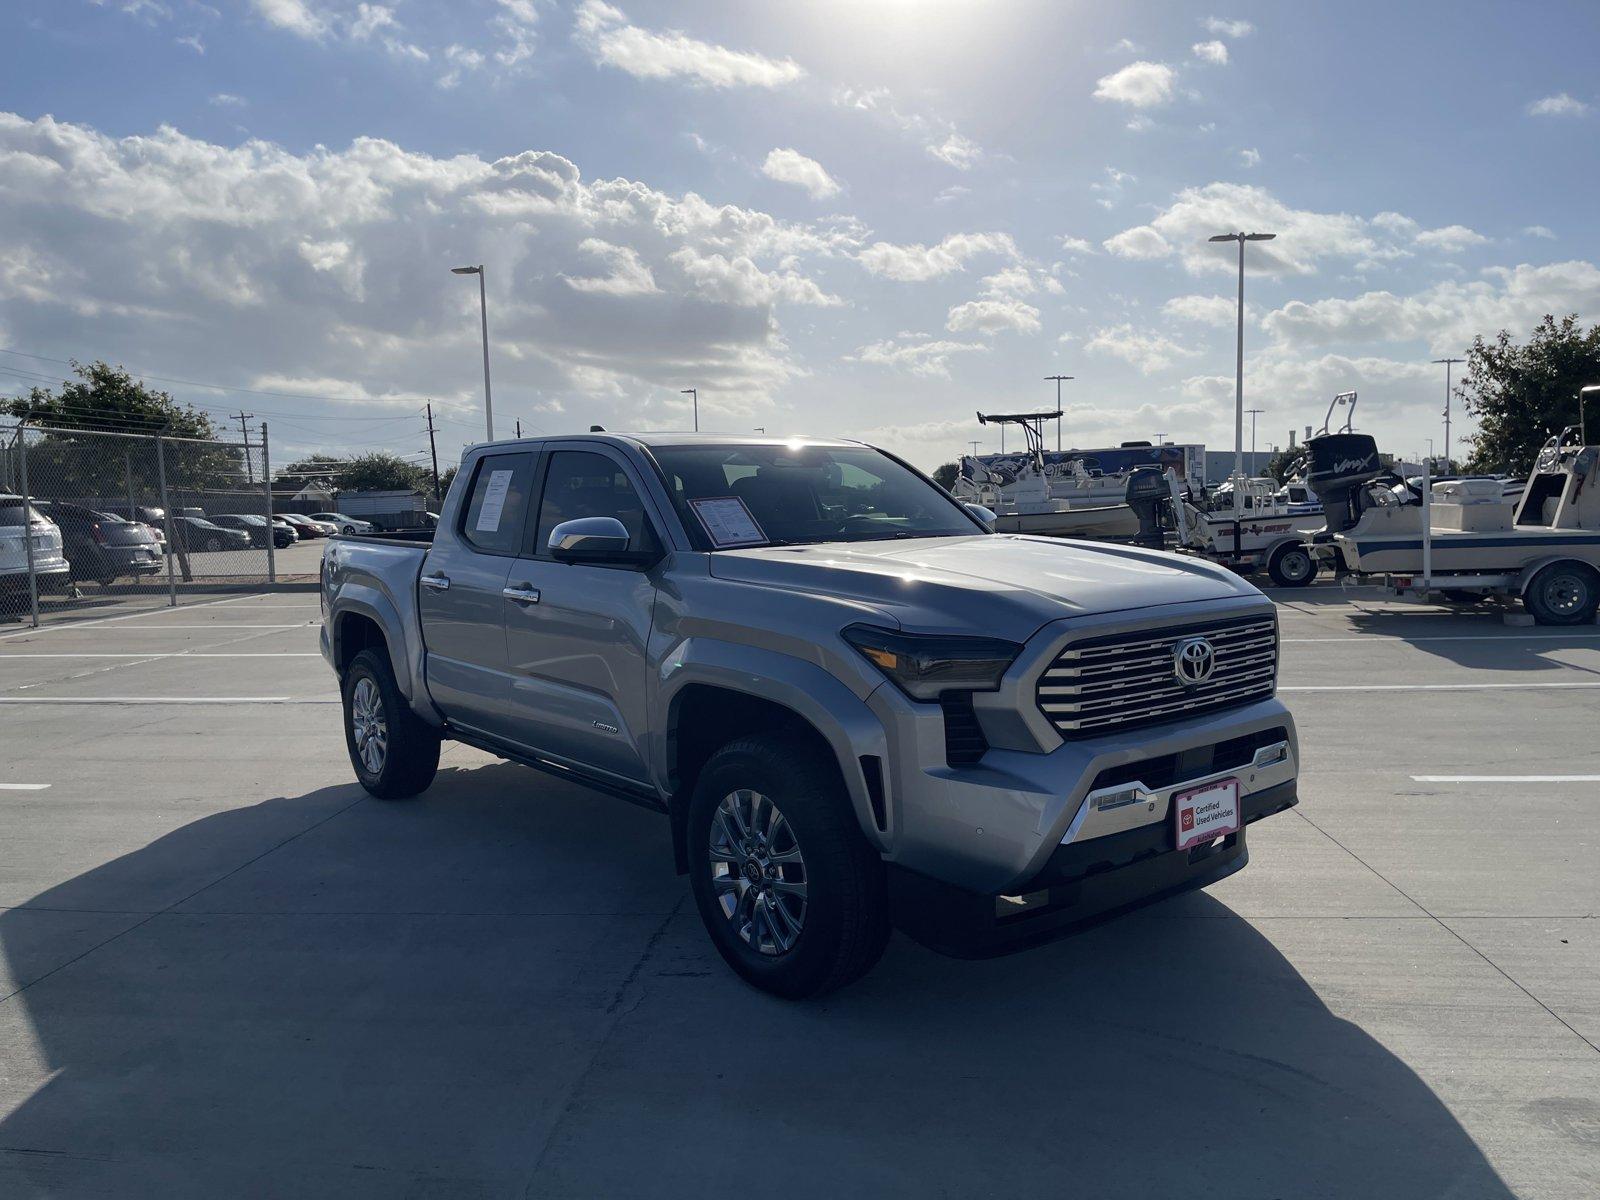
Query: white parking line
117, 700
1431, 687
1506, 778
146, 613
23, 787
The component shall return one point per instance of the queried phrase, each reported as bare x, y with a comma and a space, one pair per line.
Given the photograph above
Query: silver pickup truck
856, 705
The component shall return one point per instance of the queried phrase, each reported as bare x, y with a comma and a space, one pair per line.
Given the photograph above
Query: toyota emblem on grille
1192, 661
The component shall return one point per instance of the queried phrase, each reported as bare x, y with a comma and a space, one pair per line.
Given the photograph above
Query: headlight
925, 665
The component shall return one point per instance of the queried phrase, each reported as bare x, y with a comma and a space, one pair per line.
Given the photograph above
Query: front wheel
395, 753
1291, 565
794, 898
1563, 594
213, 544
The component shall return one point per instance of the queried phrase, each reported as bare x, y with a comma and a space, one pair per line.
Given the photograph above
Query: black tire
212, 544
1291, 565
1563, 594
845, 919
410, 755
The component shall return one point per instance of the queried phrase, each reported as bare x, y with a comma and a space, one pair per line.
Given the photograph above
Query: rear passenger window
498, 503
582, 484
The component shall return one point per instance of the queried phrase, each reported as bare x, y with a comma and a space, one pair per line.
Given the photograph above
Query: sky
862, 218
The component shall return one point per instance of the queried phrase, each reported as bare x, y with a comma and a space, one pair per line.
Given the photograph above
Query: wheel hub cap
367, 725
758, 872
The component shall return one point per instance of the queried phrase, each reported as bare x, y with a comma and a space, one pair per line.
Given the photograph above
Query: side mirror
594, 540
983, 514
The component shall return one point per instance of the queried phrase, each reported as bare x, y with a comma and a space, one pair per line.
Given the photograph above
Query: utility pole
433, 450
1238, 380
1058, 379
249, 467
1448, 362
974, 446
519, 428
1254, 413
1161, 439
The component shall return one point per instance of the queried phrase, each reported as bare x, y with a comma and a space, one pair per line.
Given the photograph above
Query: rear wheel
212, 544
1563, 594
1291, 565
394, 752
794, 898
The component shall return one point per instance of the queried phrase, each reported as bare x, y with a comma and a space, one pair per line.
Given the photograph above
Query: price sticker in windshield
728, 522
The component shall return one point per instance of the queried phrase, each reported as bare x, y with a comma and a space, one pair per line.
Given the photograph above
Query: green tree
381, 471
1521, 394
108, 399
1283, 462
945, 475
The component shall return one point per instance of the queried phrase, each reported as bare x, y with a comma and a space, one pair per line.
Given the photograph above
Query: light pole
1238, 386
1161, 439
1448, 362
1058, 379
1583, 435
695, 393
1254, 413
483, 313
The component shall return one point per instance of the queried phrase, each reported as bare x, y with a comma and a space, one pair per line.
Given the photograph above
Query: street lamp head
1593, 387
466, 270
1226, 237
1259, 237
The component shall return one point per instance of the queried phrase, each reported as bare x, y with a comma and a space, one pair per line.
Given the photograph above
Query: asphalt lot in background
226, 971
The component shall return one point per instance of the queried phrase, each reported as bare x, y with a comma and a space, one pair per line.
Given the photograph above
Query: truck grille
1124, 680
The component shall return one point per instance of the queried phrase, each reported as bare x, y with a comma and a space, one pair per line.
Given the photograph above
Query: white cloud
227, 100
927, 358
1226, 28
1396, 223
1304, 238
462, 59
1109, 189
192, 40
960, 152
1215, 53
939, 138
1076, 245
1560, 105
1451, 238
251, 260
916, 263
1141, 243
1445, 316
1140, 85
370, 19
792, 167
1249, 157
1139, 123
993, 316
1205, 310
1538, 231
1150, 352
515, 25
295, 16
605, 33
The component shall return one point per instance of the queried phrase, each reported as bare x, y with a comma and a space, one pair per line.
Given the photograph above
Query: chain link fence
90, 519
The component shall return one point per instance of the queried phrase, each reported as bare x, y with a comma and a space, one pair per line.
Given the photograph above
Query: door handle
522, 594
437, 583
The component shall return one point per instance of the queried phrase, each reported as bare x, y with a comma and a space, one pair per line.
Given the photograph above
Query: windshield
11, 512
786, 495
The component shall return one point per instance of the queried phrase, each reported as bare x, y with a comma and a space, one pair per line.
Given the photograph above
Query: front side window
795, 494
498, 503
581, 483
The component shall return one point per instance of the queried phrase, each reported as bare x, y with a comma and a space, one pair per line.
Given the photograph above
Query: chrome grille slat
1114, 681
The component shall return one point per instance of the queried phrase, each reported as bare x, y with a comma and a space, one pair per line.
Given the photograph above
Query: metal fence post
27, 520
166, 509
266, 482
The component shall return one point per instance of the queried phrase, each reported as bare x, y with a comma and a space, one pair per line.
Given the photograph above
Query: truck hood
1003, 584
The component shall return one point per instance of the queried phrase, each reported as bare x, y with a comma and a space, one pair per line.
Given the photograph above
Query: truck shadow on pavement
502, 989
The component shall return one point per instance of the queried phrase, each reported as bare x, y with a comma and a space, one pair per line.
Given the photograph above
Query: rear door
578, 650
460, 594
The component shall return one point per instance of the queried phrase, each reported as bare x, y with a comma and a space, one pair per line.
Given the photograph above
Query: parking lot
227, 971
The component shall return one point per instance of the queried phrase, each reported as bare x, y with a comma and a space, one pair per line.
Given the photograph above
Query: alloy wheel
758, 873
368, 726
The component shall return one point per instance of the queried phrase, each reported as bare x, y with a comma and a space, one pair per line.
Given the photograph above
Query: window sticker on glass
728, 522
494, 501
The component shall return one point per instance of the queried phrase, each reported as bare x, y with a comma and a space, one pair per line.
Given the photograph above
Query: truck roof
660, 438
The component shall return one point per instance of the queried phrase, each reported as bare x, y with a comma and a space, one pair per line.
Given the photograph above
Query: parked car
198, 533
52, 571
345, 525
256, 527
310, 528
855, 704
103, 546
154, 519
287, 527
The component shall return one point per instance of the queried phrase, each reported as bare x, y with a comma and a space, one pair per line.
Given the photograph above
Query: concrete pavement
227, 971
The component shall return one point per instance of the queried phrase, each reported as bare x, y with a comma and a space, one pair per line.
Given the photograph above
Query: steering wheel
1549, 460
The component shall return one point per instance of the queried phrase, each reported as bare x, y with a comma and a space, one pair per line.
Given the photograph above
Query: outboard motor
1340, 464
1147, 494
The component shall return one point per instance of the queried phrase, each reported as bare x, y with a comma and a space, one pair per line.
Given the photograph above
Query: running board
643, 796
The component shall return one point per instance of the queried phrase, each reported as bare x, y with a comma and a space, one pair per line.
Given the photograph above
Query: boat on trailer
1462, 539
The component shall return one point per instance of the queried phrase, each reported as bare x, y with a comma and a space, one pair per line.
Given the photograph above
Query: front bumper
1083, 884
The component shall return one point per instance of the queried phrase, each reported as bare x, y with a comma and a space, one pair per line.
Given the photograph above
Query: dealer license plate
1206, 813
